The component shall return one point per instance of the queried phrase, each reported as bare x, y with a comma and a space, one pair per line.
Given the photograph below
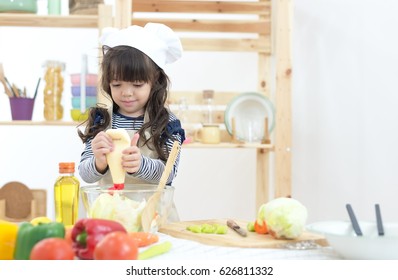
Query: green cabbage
285, 217
119, 208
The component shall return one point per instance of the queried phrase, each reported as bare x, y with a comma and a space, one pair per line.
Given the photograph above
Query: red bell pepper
86, 233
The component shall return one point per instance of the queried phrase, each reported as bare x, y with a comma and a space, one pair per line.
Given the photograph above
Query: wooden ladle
148, 213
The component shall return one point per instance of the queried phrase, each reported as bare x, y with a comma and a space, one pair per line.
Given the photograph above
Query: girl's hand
101, 145
131, 159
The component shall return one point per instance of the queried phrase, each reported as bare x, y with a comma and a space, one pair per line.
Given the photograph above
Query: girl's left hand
131, 159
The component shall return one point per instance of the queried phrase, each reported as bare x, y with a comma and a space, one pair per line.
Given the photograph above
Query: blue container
90, 91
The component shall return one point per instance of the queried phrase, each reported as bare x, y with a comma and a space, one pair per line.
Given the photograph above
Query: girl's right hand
101, 145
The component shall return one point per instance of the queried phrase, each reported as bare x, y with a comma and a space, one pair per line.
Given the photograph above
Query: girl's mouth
129, 102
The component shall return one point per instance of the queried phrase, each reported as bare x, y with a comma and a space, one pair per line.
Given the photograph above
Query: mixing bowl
342, 238
126, 206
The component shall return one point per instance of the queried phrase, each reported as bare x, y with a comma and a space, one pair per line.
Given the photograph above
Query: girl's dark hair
124, 63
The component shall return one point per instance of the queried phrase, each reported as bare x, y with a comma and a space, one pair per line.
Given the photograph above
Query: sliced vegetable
260, 227
208, 228
144, 238
28, 235
250, 227
221, 229
86, 233
155, 250
195, 228
8, 236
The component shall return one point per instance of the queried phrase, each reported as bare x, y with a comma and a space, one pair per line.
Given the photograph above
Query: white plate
341, 236
249, 111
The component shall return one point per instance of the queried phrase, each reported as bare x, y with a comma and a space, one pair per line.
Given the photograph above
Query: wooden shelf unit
270, 21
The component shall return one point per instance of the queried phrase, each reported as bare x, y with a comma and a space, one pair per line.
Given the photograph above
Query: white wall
344, 107
344, 112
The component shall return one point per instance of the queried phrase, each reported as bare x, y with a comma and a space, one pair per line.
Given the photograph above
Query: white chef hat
156, 40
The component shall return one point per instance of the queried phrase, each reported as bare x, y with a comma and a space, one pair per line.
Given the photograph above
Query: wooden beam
196, 98
199, 25
33, 20
232, 45
123, 9
210, 7
283, 128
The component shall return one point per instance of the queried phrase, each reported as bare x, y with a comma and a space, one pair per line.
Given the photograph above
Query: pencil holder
21, 108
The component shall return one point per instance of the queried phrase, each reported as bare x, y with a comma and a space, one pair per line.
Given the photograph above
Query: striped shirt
151, 169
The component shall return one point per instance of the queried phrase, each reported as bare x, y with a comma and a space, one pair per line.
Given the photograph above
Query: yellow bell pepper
40, 220
8, 236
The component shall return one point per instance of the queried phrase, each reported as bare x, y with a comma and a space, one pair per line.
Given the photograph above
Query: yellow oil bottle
66, 194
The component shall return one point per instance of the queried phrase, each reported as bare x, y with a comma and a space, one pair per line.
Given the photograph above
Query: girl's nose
128, 91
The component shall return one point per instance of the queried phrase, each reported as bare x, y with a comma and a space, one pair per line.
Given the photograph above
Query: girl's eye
138, 83
115, 85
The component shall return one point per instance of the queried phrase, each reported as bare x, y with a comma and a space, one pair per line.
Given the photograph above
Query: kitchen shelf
103, 19
44, 123
33, 20
267, 147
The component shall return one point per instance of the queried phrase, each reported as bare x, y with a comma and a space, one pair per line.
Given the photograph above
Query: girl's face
131, 97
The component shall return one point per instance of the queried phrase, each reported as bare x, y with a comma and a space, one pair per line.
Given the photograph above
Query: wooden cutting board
233, 239
18, 200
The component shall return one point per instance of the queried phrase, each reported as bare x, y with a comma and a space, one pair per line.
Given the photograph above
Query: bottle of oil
66, 194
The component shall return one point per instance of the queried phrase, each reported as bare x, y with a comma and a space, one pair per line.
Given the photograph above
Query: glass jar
66, 194
208, 109
53, 77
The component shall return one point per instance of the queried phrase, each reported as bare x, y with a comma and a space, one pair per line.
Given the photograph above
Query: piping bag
121, 140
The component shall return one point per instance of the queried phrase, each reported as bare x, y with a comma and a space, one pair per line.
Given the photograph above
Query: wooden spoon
148, 213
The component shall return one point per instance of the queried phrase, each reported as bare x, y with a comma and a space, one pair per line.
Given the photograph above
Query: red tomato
116, 245
52, 248
144, 238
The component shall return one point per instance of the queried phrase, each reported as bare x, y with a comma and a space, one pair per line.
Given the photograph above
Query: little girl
133, 77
